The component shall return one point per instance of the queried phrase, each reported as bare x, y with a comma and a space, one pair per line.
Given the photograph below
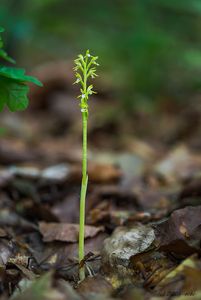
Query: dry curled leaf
181, 232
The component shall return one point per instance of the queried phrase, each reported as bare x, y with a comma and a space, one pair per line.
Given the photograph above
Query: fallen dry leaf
184, 279
98, 173
181, 232
179, 164
65, 232
150, 267
104, 172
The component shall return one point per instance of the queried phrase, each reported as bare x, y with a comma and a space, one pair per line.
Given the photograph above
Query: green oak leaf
13, 84
18, 75
14, 88
13, 94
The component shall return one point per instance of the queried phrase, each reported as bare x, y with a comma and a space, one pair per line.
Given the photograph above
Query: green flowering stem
85, 68
83, 194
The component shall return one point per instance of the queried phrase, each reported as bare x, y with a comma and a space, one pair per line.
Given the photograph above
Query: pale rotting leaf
125, 243
120, 248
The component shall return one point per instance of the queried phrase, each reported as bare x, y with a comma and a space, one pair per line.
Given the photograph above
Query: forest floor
143, 214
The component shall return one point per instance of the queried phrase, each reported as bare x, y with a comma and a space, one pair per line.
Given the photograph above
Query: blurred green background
149, 50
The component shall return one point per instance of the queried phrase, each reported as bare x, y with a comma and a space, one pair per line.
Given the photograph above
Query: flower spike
85, 68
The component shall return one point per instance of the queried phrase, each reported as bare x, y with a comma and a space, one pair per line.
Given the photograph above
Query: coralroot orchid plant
85, 69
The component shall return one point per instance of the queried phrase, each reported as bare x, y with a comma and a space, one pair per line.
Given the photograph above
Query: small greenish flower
85, 68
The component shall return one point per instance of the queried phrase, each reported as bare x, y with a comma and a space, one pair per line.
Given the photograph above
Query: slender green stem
83, 194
